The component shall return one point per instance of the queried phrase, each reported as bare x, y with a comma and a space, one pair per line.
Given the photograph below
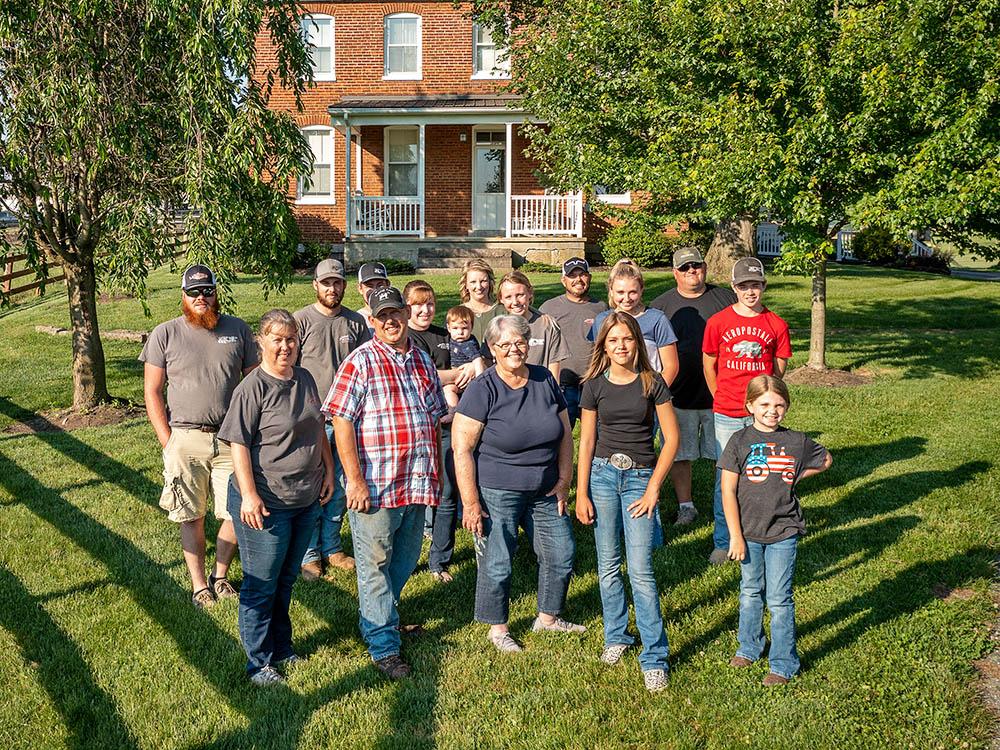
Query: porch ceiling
426, 110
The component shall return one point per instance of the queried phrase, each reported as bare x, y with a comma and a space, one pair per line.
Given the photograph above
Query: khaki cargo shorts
196, 466
697, 427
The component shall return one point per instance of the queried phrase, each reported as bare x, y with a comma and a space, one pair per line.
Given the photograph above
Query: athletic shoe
613, 654
266, 677
203, 598
686, 515
655, 679
393, 667
289, 662
719, 557
504, 643
558, 625
223, 588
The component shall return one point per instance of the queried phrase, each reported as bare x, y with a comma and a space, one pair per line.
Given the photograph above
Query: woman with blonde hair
477, 291
625, 288
618, 485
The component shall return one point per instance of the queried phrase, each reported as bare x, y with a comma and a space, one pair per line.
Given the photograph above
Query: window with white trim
401, 161
318, 187
402, 51
317, 30
612, 194
486, 62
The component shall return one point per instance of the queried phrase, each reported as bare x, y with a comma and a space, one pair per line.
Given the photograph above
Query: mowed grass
100, 647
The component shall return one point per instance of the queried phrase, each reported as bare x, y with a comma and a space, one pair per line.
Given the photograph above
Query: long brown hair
624, 269
600, 361
476, 264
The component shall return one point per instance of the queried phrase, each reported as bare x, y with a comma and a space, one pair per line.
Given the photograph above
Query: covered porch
446, 166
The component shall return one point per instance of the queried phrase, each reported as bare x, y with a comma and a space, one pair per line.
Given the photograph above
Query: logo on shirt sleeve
229, 339
765, 460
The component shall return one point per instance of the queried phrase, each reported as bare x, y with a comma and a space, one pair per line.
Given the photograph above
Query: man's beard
207, 320
327, 305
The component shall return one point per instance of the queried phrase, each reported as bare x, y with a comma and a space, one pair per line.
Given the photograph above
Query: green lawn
100, 647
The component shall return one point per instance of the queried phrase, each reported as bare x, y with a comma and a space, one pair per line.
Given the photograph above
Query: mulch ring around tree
67, 420
828, 378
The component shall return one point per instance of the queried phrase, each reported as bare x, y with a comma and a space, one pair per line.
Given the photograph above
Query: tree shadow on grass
87, 711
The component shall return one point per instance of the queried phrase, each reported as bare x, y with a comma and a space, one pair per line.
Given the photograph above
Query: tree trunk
89, 384
817, 328
734, 239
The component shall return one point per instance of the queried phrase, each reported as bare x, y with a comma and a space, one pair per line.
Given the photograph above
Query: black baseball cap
371, 271
574, 264
197, 276
748, 269
385, 298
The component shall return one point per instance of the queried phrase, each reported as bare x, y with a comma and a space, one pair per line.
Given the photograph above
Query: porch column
579, 213
507, 157
347, 178
420, 178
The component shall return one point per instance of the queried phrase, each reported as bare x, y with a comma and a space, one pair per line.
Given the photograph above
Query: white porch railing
768, 240
543, 215
385, 214
845, 243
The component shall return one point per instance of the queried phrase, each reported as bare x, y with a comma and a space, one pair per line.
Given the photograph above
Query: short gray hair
502, 323
277, 318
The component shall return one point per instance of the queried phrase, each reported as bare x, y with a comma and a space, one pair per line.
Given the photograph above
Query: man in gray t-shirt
574, 312
200, 358
328, 332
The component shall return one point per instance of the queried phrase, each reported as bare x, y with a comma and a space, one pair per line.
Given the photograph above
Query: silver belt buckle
621, 461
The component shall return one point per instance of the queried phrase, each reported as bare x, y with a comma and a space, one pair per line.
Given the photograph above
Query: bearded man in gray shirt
200, 358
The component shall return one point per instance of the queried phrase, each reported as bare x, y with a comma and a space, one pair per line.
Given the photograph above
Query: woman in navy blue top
514, 462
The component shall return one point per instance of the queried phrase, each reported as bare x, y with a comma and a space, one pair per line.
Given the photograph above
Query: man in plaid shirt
386, 402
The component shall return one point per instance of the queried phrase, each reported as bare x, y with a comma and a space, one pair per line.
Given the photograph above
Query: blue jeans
325, 539
552, 537
572, 396
386, 549
612, 491
446, 514
270, 559
725, 428
767, 573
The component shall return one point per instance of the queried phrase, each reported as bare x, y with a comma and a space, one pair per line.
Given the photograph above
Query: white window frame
317, 17
416, 75
501, 72
325, 199
385, 148
615, 199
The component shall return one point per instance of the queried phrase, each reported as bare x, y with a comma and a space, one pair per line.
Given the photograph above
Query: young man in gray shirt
574, 312
328, 332
200, 357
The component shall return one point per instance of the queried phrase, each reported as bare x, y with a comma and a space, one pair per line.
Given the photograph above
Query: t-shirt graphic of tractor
748, 349
763, 460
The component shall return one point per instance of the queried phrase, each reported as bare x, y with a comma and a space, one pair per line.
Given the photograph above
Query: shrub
397, 267
534, 266
309, 253
877, 246
939, 262
641, 238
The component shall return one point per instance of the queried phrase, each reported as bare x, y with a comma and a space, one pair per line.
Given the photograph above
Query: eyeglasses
521, 346
201, 291
690, 266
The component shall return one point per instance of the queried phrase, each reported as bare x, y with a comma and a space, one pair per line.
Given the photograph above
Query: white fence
544, 215
385, 214
769, 243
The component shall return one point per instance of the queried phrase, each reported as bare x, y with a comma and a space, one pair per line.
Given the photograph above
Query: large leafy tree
123, 122
811, 112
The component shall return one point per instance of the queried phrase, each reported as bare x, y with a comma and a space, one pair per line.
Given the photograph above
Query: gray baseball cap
687, 255
748, 269
329, 269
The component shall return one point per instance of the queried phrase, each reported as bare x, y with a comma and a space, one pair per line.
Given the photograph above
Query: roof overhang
440, 110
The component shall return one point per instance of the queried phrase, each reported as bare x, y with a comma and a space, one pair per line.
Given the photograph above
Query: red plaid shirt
395, 401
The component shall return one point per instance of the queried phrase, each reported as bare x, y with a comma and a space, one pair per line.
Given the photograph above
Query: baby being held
464, 349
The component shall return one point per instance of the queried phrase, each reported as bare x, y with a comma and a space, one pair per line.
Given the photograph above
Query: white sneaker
266, 677
558, 625
655, 679
504, 643
613, 654
686, 515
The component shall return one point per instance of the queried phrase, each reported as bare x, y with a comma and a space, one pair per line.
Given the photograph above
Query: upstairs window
317, 30
317, 187
402, 46
485, 56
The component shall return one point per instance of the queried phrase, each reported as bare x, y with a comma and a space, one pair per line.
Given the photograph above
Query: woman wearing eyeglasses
514, 460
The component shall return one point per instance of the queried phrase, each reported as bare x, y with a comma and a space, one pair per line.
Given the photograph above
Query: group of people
406, 426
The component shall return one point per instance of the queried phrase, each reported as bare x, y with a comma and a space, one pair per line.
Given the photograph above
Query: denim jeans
552, 537
325, 539
386, 549
271, 559
446, 514
767, 573
572, 396
725, 428
612, 491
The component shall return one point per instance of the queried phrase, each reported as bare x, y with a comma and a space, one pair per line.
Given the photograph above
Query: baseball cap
197, 276
370, 271
329, 268
574, 264
385, 298
748, 269
687, 255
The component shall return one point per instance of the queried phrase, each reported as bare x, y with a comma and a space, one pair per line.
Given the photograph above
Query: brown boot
312, 571
340, 560
774, 679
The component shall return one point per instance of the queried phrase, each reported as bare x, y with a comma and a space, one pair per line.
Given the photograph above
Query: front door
488, 183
